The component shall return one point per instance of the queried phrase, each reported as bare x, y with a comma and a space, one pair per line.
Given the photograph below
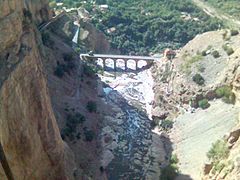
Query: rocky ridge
176, 94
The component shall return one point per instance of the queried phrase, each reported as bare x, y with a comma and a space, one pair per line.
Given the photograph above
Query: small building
103, 7
111, 30
169, 54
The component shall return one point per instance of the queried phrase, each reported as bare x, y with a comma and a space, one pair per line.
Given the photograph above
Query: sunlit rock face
28, 130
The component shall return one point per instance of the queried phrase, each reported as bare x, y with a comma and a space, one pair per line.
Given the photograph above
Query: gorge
65, 117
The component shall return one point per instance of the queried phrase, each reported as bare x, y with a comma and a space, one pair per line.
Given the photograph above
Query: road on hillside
211, 11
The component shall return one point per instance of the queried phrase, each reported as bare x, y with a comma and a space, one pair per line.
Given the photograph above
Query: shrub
234, 32
225, 92
203, 104
68, 57
89, 135
59, 71
215, 54
204, 53
198, 79
166, 124
229, 50
88, 70
27, 14
174, 159
46, 39
169, 173
91, 106
189, 61
72, 122
218, 151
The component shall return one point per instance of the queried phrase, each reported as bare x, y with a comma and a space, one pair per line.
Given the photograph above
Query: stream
132, 150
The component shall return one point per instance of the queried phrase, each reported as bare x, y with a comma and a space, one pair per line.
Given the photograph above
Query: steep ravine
131, 149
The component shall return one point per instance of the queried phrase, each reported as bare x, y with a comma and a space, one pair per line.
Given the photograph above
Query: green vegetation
170, 172
189, 61
215, 54
65, 67
218, 152
59, 71
203, 104
27, 19
89, 134
72, 122
91, 106
89, 70
147, 26
204, 53
143, 26
229, 50
46, 39
198, 79
225, 92
166, 124
231, 7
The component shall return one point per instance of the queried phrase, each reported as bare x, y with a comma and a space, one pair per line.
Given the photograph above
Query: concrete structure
115, 58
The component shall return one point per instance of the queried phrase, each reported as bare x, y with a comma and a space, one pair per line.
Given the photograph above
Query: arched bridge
149, 60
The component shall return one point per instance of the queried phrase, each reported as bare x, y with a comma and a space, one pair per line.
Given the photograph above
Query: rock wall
230, 167
177, 99
28, 130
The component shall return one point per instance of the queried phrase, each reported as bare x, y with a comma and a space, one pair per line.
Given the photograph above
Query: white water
75, 38
132, 86
132, 93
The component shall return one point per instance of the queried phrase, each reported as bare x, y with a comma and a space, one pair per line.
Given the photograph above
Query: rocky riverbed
131, 150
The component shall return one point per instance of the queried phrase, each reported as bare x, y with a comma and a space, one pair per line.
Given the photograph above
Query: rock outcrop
229, 168
179, 98
29, 133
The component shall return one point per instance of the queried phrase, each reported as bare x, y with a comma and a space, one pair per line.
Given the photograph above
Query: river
132, 150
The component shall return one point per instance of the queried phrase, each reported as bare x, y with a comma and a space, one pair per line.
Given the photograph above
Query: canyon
65, 118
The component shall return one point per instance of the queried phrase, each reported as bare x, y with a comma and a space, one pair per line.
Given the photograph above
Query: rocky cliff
29, 133
196, 94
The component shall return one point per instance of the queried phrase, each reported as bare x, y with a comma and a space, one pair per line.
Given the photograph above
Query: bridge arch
142, 63
110, 63
132, 64
120, 63
100, 62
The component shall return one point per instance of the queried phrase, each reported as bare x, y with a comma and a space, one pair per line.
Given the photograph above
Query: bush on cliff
225, 92
89, 135
59, 71
91, 106
215, 54
229, 50
198, 79
166, 124
170, 172
218, 151
203, 104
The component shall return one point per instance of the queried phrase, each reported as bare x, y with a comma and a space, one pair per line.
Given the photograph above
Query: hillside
230, 7
140, 27
193, 104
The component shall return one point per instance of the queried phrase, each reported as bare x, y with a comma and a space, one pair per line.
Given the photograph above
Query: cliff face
28, 130
178, 98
